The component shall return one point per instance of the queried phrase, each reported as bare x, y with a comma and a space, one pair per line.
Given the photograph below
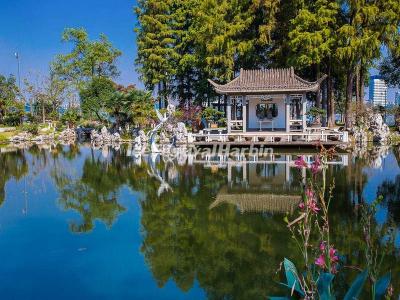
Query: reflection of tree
94, 195
12, 165
396, 153
69, 152
390, 191
231, 255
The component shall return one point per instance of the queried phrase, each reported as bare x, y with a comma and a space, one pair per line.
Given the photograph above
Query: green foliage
357, 286
13, 165
140, 107
31, 128
390, 70
316, 112
10, 106
87, 59
95, 95
46, 94
131, 105
312, 37
70, 117
212, 114
182, 43
324, 286
382, 285
292, 277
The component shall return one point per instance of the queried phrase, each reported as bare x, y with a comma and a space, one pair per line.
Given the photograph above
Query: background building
397, 98
377, 91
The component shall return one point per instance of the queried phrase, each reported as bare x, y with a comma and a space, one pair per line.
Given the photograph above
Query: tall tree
155, 41
87, 59
365, 27
46, 94
9, 93
312, 40
220, 32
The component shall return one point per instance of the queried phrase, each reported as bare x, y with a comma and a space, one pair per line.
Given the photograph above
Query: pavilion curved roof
267, 81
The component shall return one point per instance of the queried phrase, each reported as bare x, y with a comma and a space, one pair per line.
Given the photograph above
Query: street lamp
19, 76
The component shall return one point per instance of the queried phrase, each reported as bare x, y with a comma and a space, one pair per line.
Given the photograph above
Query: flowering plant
311, 232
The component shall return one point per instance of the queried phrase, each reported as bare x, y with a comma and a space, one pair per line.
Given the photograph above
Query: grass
5, 136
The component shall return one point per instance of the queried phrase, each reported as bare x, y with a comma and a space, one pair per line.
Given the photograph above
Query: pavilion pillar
228, 113
244, 113
304, 115
287, 113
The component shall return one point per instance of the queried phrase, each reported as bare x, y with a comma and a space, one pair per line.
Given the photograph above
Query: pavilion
261, 100
268, 106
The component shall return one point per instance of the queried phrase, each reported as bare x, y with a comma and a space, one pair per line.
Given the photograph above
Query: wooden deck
278, 138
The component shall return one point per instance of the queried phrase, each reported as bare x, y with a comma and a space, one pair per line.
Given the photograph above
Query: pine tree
312, 40
155, 41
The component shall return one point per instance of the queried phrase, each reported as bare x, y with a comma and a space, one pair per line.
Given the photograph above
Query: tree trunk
331, 102
324, 103
349, 98
361, 85
318, 99
358, 86
43, 113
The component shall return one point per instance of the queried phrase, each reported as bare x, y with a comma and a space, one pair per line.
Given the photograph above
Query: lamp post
19, 76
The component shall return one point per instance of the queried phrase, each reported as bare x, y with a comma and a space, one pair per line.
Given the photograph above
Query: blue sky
33, 28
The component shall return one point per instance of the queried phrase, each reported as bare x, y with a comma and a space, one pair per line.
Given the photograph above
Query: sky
33, 28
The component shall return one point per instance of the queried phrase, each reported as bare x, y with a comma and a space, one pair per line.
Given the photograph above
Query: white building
397, 98
377, 91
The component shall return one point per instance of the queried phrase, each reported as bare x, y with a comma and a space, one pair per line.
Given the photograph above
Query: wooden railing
274, 137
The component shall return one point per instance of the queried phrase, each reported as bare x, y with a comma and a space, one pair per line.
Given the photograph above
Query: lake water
80, 223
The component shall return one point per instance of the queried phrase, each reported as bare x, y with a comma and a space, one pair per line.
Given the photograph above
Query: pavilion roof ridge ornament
264, 81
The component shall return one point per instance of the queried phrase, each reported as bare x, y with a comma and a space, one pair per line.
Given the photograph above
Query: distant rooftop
267, 81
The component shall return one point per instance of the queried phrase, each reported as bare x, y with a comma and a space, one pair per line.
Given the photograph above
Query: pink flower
312, 205
302, 205
320, 261
332, 255
322, 246
316, 165
300, 162
310, 194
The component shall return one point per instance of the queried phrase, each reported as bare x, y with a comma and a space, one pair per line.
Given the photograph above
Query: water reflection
217, 222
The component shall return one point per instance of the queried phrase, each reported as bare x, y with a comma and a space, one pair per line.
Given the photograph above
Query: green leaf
323, 285
381, 286
356, 287
280, 298
292, 276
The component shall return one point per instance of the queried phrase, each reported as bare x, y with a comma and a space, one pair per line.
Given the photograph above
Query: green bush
212, 114
31, 128
70, 117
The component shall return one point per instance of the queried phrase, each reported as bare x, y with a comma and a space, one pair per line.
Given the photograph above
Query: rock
143, 137
67, 135
379, 129
370, 122
22, 137
104, 137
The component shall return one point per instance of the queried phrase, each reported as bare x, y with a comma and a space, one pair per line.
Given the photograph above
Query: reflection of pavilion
258, 202
272, 186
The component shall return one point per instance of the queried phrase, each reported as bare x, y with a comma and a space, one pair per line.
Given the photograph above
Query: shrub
70, 117
31, 128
